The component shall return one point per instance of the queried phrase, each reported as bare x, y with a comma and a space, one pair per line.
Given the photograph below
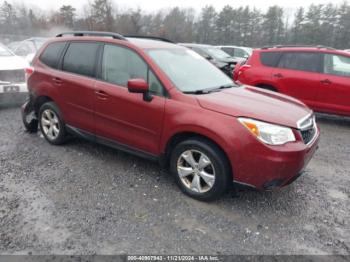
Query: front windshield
189, 71
4, 51
217, 53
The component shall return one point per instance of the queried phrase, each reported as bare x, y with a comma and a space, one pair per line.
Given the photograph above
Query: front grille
308, 134
12, 76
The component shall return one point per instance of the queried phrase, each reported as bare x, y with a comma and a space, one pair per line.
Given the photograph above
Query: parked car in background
318, 76
13, 88
239, 53
215, 55
166, 103
27, 48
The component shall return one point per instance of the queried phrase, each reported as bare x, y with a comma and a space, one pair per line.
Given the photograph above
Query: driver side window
121, 64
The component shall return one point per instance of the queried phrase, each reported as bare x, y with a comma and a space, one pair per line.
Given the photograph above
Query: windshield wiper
197, 92
226, 86
209, 90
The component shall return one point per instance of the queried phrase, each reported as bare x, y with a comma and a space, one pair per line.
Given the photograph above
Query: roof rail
93, 33
282, 46
150, 37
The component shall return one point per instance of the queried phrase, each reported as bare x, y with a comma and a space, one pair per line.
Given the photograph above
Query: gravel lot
82, 198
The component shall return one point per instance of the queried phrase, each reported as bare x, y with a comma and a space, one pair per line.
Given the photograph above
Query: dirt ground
82, 198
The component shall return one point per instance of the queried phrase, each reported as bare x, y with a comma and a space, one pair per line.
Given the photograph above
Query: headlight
268, 133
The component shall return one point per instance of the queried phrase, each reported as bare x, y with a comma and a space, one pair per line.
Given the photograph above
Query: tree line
327, 25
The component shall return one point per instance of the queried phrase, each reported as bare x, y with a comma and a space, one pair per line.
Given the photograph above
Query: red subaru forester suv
318, 76
167, 103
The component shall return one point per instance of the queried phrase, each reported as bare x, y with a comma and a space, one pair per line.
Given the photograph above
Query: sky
154, 5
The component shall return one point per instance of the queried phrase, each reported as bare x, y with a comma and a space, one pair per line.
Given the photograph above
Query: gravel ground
83, 198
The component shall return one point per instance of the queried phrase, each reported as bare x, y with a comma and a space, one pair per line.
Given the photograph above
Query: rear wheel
51, 123
200, 169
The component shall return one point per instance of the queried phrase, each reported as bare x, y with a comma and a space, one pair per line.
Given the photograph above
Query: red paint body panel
127, 118
112, 112
309, 87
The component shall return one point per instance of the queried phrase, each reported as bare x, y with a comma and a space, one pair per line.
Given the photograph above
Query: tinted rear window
52, 53
80, 58
270, 58
310, 62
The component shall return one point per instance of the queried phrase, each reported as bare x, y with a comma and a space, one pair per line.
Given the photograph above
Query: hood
259, 104
12, 63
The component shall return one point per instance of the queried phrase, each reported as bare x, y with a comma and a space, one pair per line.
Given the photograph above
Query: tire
50, 118
209, 189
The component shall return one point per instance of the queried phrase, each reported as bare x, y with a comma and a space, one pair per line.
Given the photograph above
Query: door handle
57, 80
278, 75
326, 82
101, 95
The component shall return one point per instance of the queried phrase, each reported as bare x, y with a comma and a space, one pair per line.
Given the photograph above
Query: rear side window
80, 58
310, 62
52, 53
270, 58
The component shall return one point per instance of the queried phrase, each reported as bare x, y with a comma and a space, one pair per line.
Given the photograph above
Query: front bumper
269, 167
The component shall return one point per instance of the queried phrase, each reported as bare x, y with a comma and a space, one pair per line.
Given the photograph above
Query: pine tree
206, 25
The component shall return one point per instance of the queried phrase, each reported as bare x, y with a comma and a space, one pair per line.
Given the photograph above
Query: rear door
76, 81
122, 116
298, 75
334, 91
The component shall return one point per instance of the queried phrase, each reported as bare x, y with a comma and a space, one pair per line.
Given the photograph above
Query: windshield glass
189, 71
217, 53
4, 51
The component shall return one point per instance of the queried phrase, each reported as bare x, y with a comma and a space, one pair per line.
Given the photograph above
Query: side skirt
111, 143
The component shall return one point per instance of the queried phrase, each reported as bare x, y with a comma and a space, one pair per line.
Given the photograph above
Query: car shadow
333, 119
243, 200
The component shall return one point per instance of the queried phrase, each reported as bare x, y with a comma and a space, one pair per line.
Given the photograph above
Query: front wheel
201, 169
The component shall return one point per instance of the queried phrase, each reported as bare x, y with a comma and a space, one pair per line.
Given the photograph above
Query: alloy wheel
50, 124
196, 171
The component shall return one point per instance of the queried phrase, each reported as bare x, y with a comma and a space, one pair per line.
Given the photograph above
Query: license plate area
11, 89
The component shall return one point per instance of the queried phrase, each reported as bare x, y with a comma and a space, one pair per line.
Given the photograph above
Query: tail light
28, 72
241, 71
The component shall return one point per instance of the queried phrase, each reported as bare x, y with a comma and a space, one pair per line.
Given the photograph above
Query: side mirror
140, 86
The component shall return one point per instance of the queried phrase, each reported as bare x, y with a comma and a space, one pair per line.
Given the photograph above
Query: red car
165, 102
318, 76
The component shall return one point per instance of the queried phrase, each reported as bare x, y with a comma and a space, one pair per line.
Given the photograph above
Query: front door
122, 116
